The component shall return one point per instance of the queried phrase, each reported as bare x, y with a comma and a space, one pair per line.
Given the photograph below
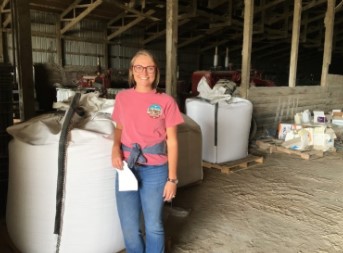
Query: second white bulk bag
225, 127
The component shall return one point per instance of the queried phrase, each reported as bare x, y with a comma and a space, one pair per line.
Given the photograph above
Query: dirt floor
286, 204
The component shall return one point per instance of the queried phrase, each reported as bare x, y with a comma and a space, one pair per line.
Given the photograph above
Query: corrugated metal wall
44, 44
86, 45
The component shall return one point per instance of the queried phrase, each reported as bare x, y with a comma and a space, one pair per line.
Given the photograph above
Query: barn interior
283, 56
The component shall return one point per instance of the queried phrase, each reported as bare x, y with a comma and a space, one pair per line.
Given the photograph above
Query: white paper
127, 180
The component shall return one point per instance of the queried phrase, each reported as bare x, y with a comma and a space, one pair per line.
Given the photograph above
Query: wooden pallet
229, 167
274, 146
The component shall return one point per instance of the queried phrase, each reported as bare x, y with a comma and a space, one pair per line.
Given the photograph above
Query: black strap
62, 151
216, 108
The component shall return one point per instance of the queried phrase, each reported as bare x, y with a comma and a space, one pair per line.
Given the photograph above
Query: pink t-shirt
145, 117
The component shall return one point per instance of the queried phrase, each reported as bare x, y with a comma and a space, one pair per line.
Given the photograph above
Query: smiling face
143, 73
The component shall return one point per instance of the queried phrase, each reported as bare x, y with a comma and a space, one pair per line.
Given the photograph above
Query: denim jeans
147, 201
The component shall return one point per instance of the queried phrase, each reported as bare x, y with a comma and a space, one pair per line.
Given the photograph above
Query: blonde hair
145, 52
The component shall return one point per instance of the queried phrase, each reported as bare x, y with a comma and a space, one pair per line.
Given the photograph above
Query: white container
306, 116
90, 222
225, 127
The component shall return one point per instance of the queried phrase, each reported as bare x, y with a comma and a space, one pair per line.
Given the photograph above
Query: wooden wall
279, 104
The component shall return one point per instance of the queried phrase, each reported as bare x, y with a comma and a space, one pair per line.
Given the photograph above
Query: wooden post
246, 50
106, 51
295, 43
171, 47
329, 22
59, 45
22, 34
2, 56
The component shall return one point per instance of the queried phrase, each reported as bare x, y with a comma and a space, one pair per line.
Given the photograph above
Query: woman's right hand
117, 158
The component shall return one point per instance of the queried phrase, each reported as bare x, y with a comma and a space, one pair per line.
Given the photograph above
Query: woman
146, 126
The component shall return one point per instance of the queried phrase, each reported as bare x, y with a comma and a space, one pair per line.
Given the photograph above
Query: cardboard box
337, 114
323, 138
310, 131
318, 116
297, 140
284, 128
338, 122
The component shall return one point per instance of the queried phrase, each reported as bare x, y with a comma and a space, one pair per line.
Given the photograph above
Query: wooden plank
274, 146
229, 167
303, 154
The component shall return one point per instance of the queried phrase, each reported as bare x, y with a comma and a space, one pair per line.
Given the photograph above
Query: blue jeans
147, 201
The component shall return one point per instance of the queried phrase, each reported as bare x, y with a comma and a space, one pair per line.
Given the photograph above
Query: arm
172, 147
117, 156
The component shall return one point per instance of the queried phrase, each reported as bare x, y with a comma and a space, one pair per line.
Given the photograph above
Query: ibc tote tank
225, 127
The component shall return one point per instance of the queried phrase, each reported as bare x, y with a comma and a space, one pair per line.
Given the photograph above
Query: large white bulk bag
90, 222
225, 127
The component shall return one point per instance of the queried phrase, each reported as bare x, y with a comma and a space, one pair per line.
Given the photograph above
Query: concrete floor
287, 204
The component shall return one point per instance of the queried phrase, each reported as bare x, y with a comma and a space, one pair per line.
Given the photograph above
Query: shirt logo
154, 111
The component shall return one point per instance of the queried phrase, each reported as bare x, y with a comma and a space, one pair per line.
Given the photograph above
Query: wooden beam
200, 36
329, 26
129, 25
246, 50
6, 15
82, 15
2, 45
138, 13
161, 33
295, 43
3, 5
7, 21
215, 3
59, 45
278, 53
171, 47
267, 6
312, 4
70, 8
118, 17
22, 33
339, 6
318, 29
221, 42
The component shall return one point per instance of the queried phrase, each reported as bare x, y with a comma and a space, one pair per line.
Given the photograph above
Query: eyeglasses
140, 68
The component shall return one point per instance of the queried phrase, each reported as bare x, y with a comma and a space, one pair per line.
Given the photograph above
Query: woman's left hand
169, 191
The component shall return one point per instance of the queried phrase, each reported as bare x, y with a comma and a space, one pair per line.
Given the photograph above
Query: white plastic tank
90, 222
225, 127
